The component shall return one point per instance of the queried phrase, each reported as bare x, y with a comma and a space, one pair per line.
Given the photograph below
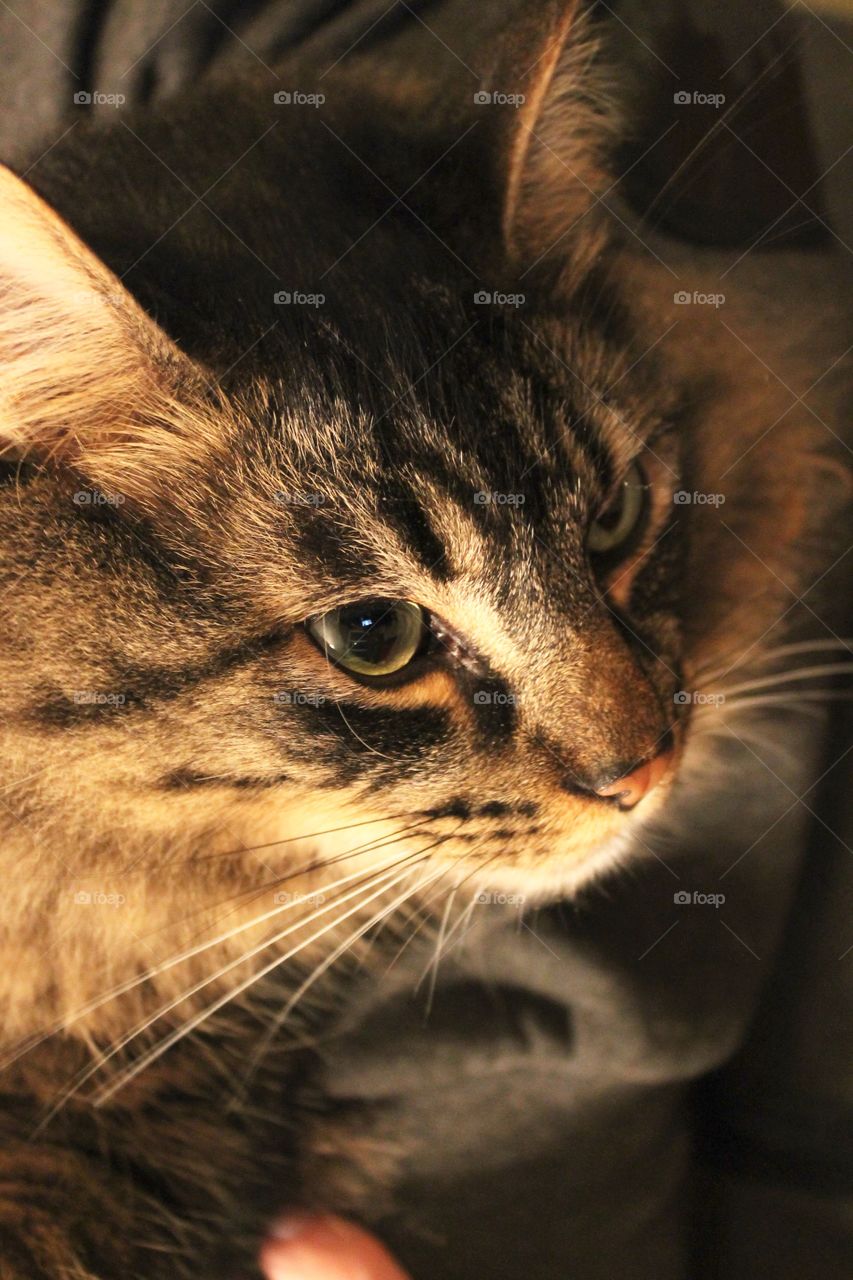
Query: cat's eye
372, 637
622, 516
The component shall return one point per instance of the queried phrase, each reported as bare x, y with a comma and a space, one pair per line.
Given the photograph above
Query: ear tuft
563, 134
88, 379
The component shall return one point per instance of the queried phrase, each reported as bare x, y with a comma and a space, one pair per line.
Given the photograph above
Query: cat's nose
629, 789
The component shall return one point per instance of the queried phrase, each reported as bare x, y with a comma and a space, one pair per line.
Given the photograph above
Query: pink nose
631, 789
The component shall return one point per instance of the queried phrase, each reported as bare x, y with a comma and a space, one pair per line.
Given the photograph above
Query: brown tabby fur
188, 599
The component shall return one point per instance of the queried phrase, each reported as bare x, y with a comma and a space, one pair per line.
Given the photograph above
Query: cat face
401, 560
443, 599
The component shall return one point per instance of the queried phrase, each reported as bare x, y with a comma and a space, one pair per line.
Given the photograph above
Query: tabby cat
344, 568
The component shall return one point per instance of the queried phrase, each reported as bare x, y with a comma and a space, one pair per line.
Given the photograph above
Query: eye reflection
371, 637
623, 515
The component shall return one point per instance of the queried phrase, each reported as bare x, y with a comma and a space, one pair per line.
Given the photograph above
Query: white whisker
446, 934
187, 1028
129, 984
423, 906
274, 844
703, 674
790, 677
89, 1071
370, 846
340, 950
783, 699
436, 960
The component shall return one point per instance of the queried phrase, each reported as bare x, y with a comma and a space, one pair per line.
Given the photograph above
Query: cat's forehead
393, 455
488, 439
450, 395
475, 486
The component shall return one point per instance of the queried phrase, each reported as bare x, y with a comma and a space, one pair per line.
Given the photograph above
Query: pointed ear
87, 379
693, 118
506, 145
557, 141
700, 124
661, 106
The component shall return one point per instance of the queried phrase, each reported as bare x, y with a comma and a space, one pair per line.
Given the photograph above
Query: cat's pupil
610, 518
374, 637
623, 517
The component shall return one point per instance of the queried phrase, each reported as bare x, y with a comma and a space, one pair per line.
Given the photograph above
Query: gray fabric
547, 1105
780, 1185
622, 1088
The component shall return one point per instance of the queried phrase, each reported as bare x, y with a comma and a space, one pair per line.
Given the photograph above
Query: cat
345, 562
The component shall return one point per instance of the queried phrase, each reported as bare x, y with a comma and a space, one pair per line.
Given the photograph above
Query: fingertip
323, 1247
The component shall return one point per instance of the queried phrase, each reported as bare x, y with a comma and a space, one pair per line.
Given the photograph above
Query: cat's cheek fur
182, 766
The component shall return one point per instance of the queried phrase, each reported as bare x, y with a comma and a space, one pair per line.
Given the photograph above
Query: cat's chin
554, 879
557, 878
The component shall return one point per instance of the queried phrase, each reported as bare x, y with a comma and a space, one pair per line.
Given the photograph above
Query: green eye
373, 637
623, 514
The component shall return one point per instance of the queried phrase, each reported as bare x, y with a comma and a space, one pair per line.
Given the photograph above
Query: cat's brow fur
250, 464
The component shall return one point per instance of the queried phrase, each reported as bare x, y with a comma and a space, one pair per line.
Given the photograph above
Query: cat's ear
502, 145
559, 124
670, 114
699, 125
87, 378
